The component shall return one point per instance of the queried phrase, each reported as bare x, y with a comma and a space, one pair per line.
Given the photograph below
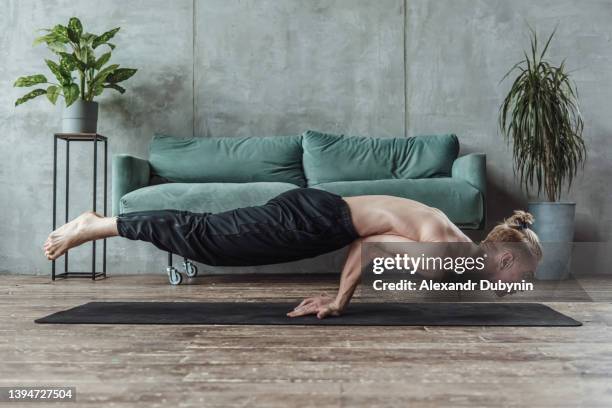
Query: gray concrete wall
226, 68
270, 67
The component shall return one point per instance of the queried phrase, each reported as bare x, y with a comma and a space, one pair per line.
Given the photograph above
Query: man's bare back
375, 215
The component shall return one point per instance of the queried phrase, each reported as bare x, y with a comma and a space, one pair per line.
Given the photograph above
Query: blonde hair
516, 229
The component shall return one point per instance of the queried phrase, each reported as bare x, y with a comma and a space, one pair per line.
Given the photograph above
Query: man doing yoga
304, 223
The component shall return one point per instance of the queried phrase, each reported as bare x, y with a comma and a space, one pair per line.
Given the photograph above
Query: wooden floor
223, 366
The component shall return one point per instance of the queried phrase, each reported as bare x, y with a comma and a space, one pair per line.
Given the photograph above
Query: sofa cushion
329, 158
459, 200
227, 160
201, 197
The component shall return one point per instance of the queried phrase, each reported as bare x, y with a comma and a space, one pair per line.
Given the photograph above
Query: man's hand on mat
322, 306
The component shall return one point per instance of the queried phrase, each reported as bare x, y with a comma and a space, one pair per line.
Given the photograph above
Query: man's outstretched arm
325, 305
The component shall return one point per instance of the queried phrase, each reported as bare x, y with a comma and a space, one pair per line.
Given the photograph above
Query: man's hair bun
520, 220
516, 229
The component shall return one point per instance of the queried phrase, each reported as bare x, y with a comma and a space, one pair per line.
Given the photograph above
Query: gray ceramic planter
80, 117
554, 224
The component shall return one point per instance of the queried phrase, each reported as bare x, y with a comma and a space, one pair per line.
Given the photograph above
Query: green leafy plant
540, 115
76, 51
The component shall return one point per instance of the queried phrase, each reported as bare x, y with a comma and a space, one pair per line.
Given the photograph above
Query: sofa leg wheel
190, 269
174, 277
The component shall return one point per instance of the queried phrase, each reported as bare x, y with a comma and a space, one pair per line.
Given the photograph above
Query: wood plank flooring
224, 366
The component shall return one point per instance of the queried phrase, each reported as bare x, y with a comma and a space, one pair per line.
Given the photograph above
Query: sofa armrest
129, 173
473, 169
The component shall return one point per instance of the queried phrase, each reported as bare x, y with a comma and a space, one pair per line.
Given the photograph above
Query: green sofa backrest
228, 159
329, 158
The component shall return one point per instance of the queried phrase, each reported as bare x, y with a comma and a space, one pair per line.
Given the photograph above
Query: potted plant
76, 52
540, 115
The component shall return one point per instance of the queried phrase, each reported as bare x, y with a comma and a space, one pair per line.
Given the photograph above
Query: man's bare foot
82, 229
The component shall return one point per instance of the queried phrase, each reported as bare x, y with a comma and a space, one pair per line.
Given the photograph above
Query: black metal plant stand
80, 137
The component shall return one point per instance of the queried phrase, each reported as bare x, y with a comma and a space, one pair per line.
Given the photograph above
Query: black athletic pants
300, 223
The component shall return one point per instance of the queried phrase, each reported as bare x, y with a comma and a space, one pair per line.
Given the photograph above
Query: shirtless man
302, 223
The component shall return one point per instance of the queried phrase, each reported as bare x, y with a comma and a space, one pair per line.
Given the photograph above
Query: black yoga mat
358, 314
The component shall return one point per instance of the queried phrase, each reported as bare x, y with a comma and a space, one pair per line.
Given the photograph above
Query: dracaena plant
76, 53
540, 115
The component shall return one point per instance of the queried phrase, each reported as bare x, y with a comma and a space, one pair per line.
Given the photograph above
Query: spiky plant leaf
42, 39
541, 117
98, 90
87, 39
102, 60
58, 35
53, 92
60, 73
61, 33
75, 29
91, 58
121, 74
75, 24
75, 50
71, 93
103, 74
104, 38
30, 80
30, 95
68, 62
116, 87
57, 47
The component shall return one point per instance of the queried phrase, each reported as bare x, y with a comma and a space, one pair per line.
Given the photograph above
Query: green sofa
218, 174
